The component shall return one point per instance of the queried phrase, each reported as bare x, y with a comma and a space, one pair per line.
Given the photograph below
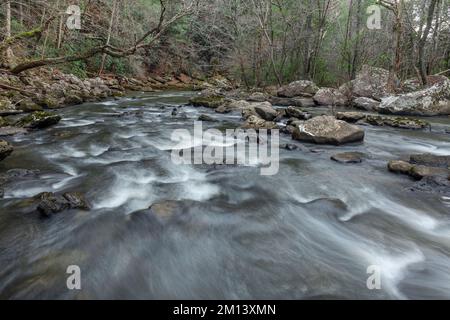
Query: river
309, 232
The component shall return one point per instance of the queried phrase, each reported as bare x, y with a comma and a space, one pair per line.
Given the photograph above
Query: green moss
38, 120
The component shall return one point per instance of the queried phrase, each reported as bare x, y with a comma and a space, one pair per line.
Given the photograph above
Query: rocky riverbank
29, 103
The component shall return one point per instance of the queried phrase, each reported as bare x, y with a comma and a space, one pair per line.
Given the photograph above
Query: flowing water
311, 231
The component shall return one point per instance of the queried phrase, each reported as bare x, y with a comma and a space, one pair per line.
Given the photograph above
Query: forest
258, 42
259, 150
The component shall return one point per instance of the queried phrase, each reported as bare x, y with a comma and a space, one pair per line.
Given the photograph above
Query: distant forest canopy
259, 42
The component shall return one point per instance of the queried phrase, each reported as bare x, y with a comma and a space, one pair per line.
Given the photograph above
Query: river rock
297, 113
256, 123
51, 203
330, 97
212, 102
11, 131
378, 120
399, 166
265, 111
396, 122
5, 149
28, 105
419, 172
348, 157
298, 89
351, 117
38, 120
206, 118
328, 130
257, 97
7, 108
430, 160
296, 101
370, 82
433, 184
365, 103
427, 102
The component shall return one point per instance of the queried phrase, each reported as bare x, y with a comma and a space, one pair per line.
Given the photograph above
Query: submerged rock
298, 88
427, 102
51, 203
349, 157
5, 149
38, 120
328, 130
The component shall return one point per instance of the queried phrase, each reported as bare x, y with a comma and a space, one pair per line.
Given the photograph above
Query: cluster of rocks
431, 171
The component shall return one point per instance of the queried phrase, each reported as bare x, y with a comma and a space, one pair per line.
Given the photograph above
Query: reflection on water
311, 231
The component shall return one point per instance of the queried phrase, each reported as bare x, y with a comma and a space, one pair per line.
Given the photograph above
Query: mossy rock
29, 106
212, 102
38, 120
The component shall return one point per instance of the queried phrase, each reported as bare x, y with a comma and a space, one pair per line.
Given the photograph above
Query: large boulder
330, 97
38, 120
298, 89
371, 82
5, 149
328, 130
364, 103
427, 102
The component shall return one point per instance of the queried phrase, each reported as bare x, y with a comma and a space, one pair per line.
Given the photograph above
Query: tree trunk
423, 41
9, 52
108, 39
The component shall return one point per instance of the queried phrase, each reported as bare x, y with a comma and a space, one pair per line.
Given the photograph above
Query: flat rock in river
348, 157
328, 130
